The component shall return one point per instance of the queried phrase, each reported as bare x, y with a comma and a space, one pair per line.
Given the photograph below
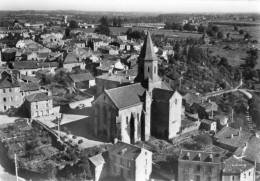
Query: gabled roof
232, 137
147, 51
126, 96
7, 82
81, 77
70, 58
31, 86
236, 166
125, 150
37, 97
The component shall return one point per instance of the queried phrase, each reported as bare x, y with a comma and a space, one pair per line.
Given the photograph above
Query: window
249, 173
4, 107
148, 69
138, 116
197, 168
197, 178
4, 99
36, 106
11, 98
126, 120
10, 90
176, 101
47, 104
155, 70
3, 90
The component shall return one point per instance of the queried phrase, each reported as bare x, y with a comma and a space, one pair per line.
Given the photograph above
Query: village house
130, 162
111, 50
231, 138
126, 112
10, 95
29, 68
250, 150
108, 66
39, 105
199, 165
238, 169
83, 80
73, 62
208, 125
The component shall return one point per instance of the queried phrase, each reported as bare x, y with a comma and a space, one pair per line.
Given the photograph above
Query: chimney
188, 155
211, 156
115, 141
199, 155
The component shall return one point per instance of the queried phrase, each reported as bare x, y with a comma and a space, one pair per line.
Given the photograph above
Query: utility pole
16, 167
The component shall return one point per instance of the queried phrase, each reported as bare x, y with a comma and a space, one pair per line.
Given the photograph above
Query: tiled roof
125, 150
235, 166
200, 156
38, 97
33, 64
126, 96
147, 51
252, 151
29, 86
8, 83
232, 137
81, 77
70, 58
162, 94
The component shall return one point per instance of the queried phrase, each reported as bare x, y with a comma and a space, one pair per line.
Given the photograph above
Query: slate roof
200, 156
31, 86
70, 58
126, 96
236, 166
240, 137
162, 94
81, 77
8, 83
33, 64
97, 160
147, 51
125, 150
252, 151
37, 97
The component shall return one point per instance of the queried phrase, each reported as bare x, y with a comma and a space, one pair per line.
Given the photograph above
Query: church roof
147, 51
162, 94
126, 96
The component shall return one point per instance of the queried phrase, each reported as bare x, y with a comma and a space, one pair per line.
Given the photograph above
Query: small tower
148, 64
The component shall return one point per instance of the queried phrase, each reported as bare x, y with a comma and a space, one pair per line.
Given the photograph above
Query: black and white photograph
129, 90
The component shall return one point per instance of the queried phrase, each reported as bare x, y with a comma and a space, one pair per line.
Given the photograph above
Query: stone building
126, 112
131, 162
10, 95
199, 166
39, 104
238, 169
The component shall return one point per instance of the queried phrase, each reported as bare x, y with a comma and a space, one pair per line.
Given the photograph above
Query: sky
167, 6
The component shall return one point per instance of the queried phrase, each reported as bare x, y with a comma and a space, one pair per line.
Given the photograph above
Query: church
134, 112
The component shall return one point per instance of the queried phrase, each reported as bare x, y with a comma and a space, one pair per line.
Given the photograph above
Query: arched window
148, 69
155, 70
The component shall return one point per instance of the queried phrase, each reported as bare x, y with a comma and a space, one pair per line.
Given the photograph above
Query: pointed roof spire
147, 52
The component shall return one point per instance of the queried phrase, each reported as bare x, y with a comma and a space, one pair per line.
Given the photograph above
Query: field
171, 33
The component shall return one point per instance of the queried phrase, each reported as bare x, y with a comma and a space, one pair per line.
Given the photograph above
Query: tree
235, 28
220, 35
201, 28
103, 27
137, 35
73, 24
